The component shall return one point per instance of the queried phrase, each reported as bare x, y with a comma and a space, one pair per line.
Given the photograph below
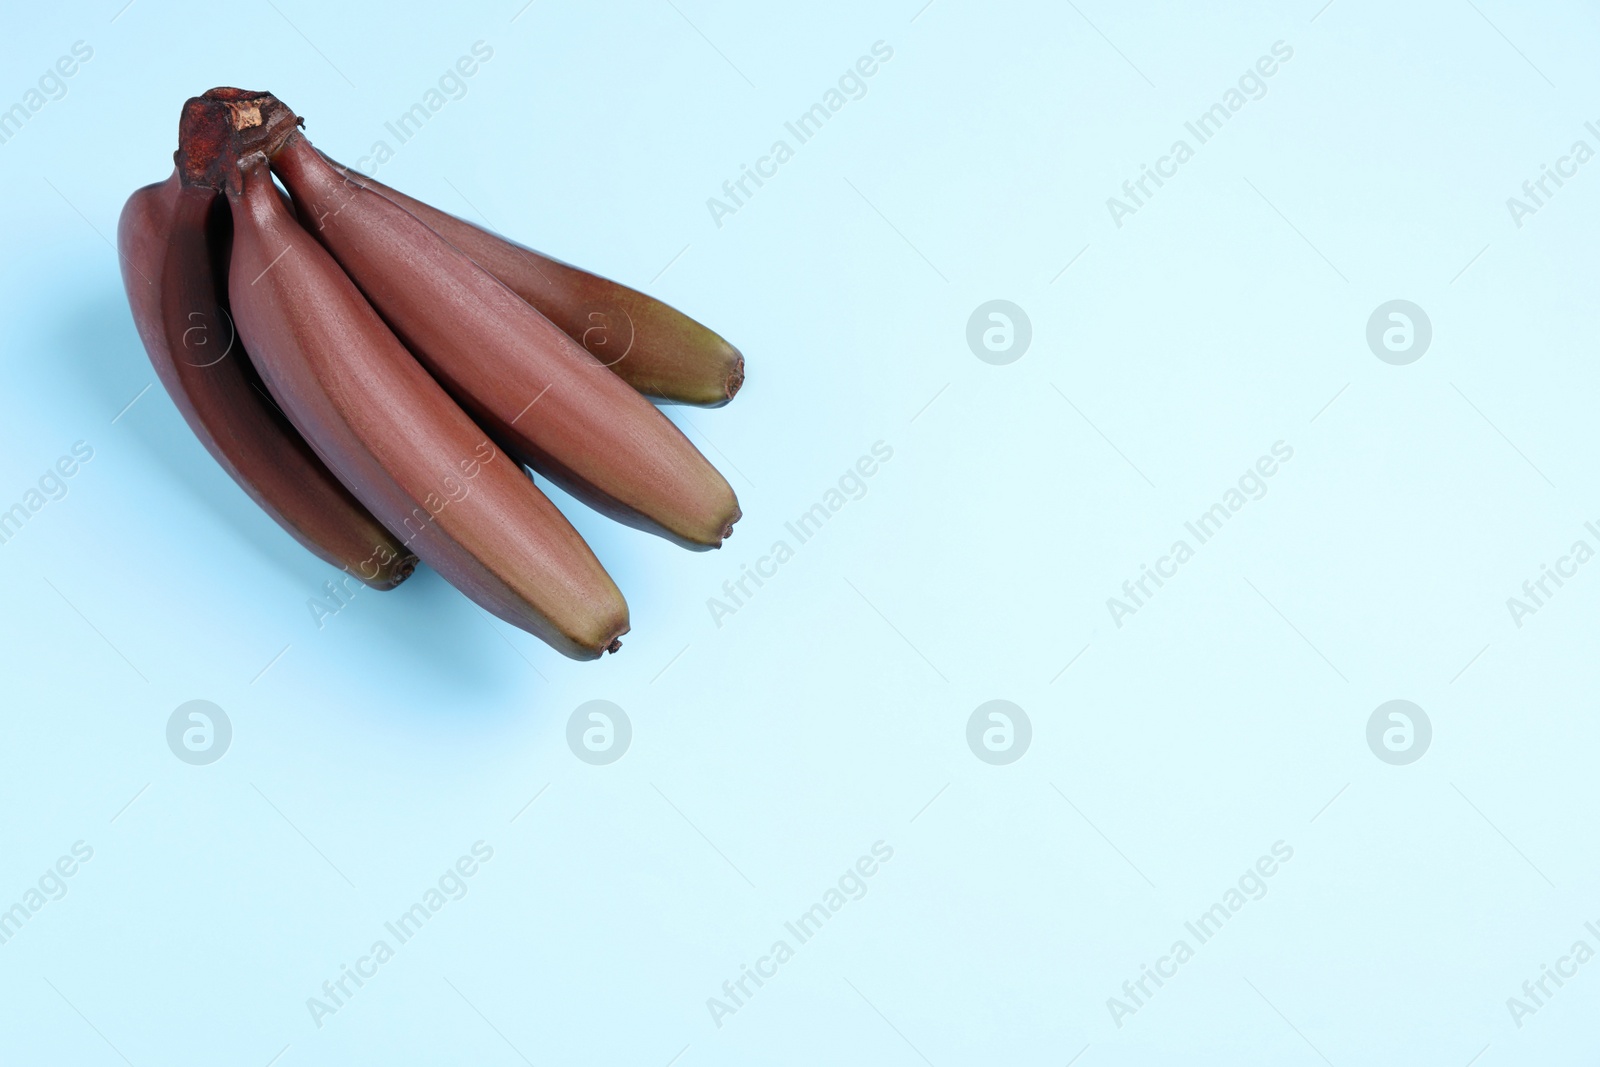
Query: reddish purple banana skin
531, 385
652, 346
399, 442
171, 281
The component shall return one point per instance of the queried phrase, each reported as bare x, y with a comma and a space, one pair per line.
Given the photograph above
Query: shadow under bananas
101, 348
447, 644
425, 622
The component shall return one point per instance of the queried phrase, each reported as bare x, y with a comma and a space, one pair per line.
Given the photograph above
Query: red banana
529, 384
652, 346
395, 438
174, 290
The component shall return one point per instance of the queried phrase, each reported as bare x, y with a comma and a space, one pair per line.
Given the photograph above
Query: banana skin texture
165, 238
652, 346
530, 385
398, 441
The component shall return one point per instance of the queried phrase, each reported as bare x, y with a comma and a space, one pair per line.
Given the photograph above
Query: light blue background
768, 754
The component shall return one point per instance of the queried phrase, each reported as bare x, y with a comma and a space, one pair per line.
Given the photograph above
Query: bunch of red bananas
404, 365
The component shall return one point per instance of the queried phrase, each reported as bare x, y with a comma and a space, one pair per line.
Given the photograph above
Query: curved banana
397, 440
528, 383
652, 346
172, 283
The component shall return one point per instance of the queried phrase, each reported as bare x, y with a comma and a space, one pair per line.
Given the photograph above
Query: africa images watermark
52, 885
1202, 128
852, 482
1538, 191
453, 490
1537, 591
52, 85
1136, 592
199, 732
51, 486
1536, 992
853, 81
452, 85
451, 885
1252, 885
852, 885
